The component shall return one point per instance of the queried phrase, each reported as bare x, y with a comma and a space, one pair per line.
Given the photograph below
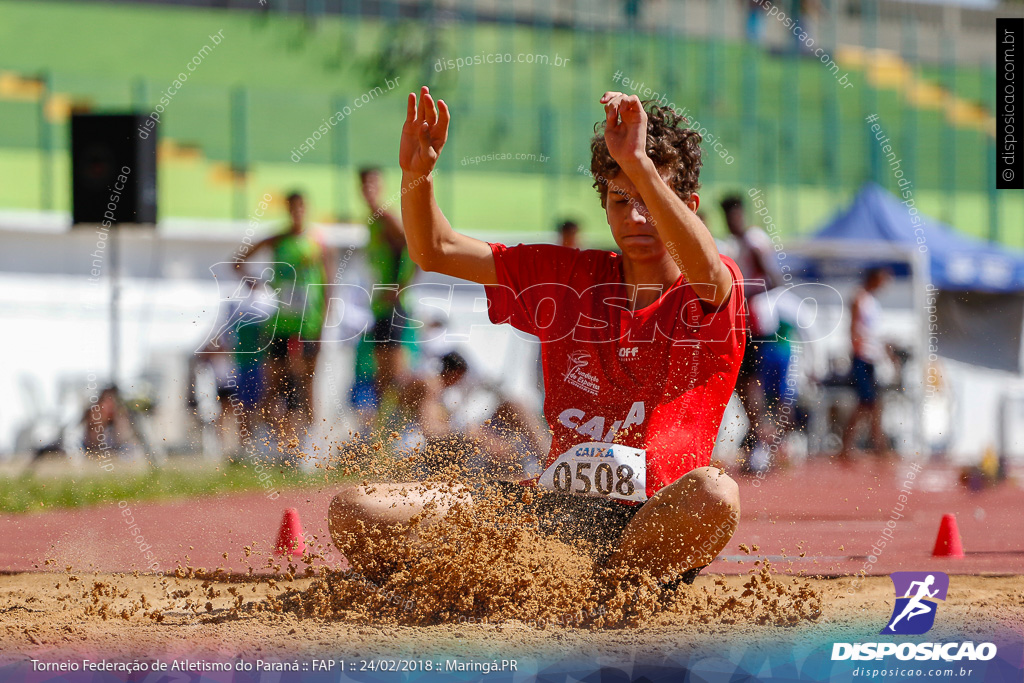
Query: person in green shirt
293, 336
391, 270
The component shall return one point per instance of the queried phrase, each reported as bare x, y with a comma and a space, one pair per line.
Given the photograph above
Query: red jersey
657, 378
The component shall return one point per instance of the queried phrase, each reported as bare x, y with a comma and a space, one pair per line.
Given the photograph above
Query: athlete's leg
683, 526
385, 512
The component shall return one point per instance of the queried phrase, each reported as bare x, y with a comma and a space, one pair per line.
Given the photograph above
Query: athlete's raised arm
433, 244
688, 241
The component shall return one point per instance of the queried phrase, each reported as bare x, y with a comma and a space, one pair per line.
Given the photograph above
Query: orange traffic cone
289, 538
947, 544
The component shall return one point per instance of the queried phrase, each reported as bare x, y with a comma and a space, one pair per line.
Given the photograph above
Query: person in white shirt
751, 248
868, 351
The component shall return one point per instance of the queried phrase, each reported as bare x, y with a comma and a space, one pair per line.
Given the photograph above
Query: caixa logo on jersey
593, 451
914, 614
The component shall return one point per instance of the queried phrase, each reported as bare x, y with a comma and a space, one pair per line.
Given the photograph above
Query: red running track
832, 513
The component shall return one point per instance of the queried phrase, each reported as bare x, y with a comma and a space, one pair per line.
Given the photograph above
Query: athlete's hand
625, 131
423, 135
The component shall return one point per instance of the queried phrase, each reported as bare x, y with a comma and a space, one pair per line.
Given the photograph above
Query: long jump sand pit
479, 587
50, 617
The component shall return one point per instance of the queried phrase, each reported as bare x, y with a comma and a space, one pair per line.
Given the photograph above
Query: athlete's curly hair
670, 145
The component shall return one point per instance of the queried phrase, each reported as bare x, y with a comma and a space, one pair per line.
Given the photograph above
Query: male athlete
640, 350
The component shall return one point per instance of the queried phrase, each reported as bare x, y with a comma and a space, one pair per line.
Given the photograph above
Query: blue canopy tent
974, 290
980, 300
956, 262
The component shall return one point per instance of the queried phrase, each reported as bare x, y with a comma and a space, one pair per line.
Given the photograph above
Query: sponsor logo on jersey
578, 377
595, 451
594, 425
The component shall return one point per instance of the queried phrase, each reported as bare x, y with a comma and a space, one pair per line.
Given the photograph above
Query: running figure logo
914, 612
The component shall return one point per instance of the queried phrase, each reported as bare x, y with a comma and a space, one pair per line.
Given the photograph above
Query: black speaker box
113, 169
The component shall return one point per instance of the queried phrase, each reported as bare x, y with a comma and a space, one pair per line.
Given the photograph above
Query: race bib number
599, 469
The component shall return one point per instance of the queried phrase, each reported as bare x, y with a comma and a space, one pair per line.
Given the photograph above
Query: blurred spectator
776, 316
355, 324
460, 423
751, 247
391, 270
568, 234
433, 342
248, 357
216, 359
868, 351
108, 427
233, 355
766, 358
363, 392
300, 278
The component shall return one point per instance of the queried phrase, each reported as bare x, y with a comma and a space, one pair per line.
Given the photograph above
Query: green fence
782, 121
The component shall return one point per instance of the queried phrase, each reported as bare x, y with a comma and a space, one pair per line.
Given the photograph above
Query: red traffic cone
289, 538
947, 544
